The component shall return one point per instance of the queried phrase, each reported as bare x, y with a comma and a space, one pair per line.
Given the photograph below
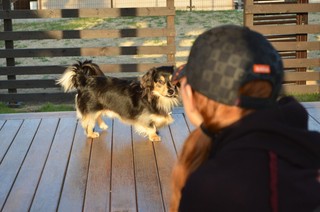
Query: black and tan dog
145, 103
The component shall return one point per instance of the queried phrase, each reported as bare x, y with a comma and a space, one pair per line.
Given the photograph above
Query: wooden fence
286, 26
14, 87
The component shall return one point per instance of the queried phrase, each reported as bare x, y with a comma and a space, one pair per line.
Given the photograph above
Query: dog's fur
145, 103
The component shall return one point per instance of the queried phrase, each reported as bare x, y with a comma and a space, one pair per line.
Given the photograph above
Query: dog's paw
154, 137
170, 119
103, 126
93, 135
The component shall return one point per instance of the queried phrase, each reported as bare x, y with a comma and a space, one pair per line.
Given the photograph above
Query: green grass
68, 24
5, 109
194, 17
313, 97
47, 107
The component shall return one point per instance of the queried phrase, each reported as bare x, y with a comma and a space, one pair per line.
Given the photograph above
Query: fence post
302, 18
247, 17
7, 26
171, 39
191, 6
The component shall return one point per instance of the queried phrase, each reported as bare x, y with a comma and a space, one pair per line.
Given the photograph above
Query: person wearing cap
253, 150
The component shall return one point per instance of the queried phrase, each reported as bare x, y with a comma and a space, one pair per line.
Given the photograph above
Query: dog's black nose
170, 91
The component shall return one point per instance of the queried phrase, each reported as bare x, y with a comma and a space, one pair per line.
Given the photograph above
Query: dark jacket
267, 161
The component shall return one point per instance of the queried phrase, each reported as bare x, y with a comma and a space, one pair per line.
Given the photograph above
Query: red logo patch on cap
261, 69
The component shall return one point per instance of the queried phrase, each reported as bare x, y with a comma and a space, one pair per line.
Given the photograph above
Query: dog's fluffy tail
75, 76
67, 80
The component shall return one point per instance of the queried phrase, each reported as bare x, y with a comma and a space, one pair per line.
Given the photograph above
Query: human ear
189, 94
190, 106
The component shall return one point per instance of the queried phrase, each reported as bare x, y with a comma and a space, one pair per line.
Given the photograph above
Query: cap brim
179, 73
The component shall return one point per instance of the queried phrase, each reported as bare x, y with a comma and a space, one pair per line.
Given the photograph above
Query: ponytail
194, 152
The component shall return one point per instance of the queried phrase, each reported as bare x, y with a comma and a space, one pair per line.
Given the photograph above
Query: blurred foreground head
225, 58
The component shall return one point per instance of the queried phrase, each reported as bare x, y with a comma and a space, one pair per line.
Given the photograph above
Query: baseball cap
225, 58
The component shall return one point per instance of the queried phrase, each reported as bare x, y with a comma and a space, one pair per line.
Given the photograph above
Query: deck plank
180, 131
2, 123
315, 113
48, 164
147, 179
313, 109
165, 156
48, 192
123, 196
314, 119
27, 180
98, 184
74, 188
314, 125
12, 161
7, 134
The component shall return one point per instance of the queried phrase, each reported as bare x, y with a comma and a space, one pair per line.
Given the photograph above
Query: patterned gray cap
224, 58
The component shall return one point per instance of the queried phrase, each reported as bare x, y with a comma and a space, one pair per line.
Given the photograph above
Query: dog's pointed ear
146, 83
147, 79
97, 71
91, 69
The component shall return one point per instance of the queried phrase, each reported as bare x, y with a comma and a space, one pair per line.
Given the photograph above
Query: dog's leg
79, 115
154, 137
101, 123
161, 121
167, 120
88, 122
91, 133
150, 131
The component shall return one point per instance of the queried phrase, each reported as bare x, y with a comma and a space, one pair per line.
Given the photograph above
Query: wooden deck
47, 164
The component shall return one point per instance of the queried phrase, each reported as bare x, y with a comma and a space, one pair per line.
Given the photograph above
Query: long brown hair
197, 146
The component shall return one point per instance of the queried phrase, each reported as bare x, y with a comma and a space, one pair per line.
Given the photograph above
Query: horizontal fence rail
36, 82
287, 27
99, 51
86, 13
87, 34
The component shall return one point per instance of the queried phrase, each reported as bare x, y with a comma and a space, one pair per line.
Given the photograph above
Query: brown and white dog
145, 103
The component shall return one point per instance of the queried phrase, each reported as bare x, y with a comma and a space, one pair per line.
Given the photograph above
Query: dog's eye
161, 82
